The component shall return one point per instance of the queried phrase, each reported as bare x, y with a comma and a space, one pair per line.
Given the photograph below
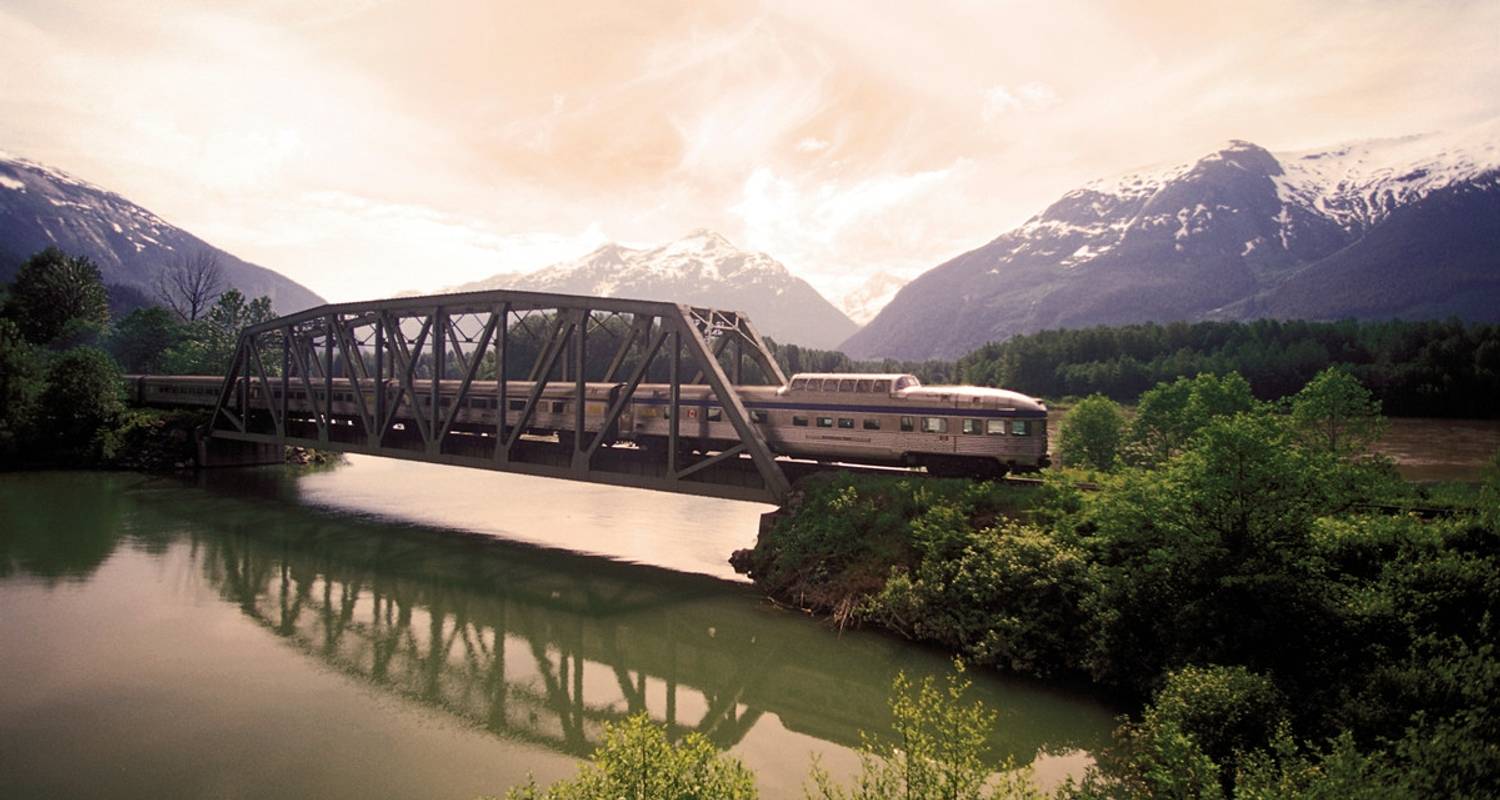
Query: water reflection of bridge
546, 647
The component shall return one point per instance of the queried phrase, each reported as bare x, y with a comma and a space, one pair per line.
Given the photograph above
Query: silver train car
882, 419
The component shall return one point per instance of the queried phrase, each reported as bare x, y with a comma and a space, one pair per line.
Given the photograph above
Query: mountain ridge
702, 268
1238, 233
42, 206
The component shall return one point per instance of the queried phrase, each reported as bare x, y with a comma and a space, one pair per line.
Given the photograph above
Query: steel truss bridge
397, 354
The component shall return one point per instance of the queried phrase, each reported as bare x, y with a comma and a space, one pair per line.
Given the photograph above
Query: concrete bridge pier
216, 452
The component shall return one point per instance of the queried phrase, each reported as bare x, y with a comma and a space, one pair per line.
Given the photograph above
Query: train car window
884, 387
798, 384
825, 422
908, 424
800, 422
831, 385
517, 405
994, 426
759, 417
846, 385
846, 423
862, 386
715, 414
1020, 427
872, 424
973, 426
934, 424
559, 406
905, 382
445, 401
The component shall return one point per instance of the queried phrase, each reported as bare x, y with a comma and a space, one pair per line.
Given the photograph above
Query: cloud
819, 228
362, 145
1000, 100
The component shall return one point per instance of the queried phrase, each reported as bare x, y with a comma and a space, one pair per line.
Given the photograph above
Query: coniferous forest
1415, 369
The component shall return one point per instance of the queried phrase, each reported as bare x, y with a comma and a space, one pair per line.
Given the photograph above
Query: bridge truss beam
388, 359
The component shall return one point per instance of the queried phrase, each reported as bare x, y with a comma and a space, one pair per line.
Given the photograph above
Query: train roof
873, 376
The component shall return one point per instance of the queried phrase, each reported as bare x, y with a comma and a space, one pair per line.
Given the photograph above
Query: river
391, 629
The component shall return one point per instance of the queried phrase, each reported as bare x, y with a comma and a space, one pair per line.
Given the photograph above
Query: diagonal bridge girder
388, 360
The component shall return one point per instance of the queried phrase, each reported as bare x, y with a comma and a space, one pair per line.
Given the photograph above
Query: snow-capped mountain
41, 206
862, 304
1377, 229
702, 268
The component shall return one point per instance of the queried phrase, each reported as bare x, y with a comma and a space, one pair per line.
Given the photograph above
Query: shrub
1010, 596
1092, 433
637, 762
936, 752
79, 405
1228, 711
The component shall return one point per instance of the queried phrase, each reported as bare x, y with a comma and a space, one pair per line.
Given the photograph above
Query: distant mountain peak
702, 268
42, 206
1238, 232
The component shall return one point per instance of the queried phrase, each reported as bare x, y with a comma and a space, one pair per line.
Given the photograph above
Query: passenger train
882, 419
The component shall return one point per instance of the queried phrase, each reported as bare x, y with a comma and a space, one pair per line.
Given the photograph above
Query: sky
365, 147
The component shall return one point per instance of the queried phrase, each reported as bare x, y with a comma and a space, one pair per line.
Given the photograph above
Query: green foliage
1092, 433
79, 405
842, 534
1150, 762
1341, 772
1009, 595
936, 752
638, 762
1452, 743
1444, 369
1489, 495
209, 342
1335, 414
1227, 711
1170, 414
140, 341
21, 384
58, 299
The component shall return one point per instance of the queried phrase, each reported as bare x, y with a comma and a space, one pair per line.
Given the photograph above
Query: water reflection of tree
58, 525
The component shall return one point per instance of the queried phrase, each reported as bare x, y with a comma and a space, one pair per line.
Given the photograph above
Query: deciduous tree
57, 298
1092, 433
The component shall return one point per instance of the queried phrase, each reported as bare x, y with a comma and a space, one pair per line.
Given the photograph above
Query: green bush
21, 384
638, 762
80, 404
1092, 434
1228, 711
935, 753
1008, 595
835, 544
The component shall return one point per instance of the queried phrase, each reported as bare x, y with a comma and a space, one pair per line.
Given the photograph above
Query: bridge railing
393, 356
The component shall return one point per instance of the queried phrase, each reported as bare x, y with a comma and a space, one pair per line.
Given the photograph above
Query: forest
1414, 369
63, 352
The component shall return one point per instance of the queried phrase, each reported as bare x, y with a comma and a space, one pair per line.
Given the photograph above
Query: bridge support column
214, 452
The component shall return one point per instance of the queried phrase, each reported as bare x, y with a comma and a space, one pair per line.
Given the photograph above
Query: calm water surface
383, 629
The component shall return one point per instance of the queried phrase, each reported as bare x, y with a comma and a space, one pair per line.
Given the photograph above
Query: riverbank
147, 440
1265, 589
